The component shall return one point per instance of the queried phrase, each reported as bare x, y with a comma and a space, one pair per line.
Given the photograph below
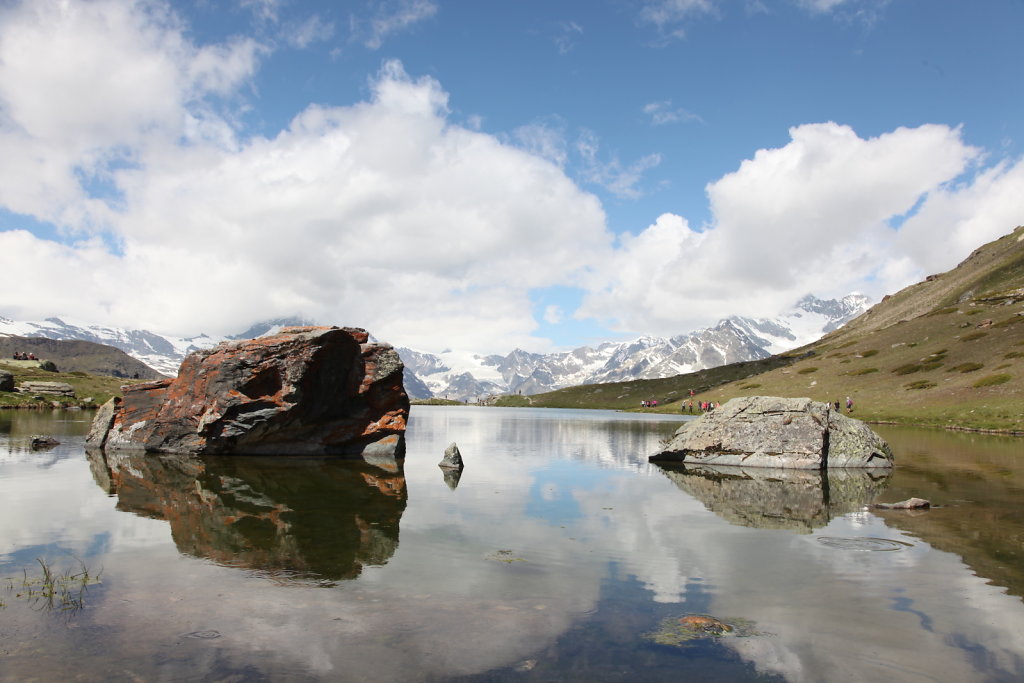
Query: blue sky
491, 175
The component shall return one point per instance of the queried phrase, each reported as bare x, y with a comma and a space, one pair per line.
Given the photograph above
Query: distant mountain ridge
463, 376
78, 355
161, 353
734, 339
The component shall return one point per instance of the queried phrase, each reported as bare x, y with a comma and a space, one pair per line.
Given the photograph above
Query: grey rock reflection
452, 478
764, 498
295, 517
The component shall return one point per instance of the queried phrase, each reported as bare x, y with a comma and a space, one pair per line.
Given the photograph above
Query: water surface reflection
766, 498
560, 549
321, 518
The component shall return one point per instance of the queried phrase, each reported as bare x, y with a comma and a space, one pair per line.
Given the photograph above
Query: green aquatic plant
678, 631
506, 556
63, 591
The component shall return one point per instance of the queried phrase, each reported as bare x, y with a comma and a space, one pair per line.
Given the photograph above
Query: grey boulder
768, 431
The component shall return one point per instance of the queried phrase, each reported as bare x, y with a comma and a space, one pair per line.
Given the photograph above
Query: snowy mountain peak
731, 340
464, 375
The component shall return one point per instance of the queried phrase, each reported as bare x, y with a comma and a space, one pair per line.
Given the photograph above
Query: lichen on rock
768, 431
304, 390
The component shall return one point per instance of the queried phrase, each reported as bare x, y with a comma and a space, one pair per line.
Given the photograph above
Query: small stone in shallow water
863, 543
908, 504
203, 635
39, 442
526, 665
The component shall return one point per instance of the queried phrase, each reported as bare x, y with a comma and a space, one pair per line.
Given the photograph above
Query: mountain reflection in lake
561, 554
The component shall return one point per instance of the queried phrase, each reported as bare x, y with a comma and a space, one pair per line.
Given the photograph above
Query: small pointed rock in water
452, 458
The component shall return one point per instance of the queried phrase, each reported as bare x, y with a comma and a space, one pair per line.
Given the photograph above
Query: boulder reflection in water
764, 498
306, 517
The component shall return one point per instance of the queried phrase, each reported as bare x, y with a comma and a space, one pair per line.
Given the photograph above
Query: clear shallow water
560, 554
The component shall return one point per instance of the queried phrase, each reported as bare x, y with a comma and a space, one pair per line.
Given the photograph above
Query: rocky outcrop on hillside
767, 431
304, 390
54, 388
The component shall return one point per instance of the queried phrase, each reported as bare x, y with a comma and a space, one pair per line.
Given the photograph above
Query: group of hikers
702, 406
19, 355
706, 406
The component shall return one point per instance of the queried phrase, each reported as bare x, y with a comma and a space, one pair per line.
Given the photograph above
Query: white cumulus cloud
821, 215
381, 213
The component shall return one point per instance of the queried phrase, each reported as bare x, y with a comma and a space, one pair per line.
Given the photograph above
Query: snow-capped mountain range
733, 339
162, 353
465, 376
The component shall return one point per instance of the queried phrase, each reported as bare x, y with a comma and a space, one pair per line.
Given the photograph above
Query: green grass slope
948, 351
98, 388
79, 356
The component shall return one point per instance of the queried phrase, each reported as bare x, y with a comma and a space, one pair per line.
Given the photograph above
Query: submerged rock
39, 442
679, 632
305, 390
767, 431
908, 504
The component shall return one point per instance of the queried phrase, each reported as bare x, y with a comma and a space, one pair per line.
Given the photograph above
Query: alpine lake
560, 554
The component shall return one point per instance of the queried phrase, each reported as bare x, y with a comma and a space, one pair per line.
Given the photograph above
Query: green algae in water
505, 556
678, 631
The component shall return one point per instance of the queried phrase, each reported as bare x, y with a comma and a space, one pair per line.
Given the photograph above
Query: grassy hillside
99, 388
947, 352
79, 356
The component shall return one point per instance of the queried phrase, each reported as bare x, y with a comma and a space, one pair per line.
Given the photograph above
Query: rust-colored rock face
305, 390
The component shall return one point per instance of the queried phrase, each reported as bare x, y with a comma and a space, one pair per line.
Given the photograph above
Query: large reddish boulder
305, 390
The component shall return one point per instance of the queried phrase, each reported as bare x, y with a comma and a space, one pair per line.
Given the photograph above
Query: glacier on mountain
466, 376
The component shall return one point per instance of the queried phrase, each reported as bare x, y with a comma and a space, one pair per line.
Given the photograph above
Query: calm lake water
560, 555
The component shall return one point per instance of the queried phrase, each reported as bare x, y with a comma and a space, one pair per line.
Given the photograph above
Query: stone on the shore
768, 431
452, 458
56, 388
302, 391
6, 381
